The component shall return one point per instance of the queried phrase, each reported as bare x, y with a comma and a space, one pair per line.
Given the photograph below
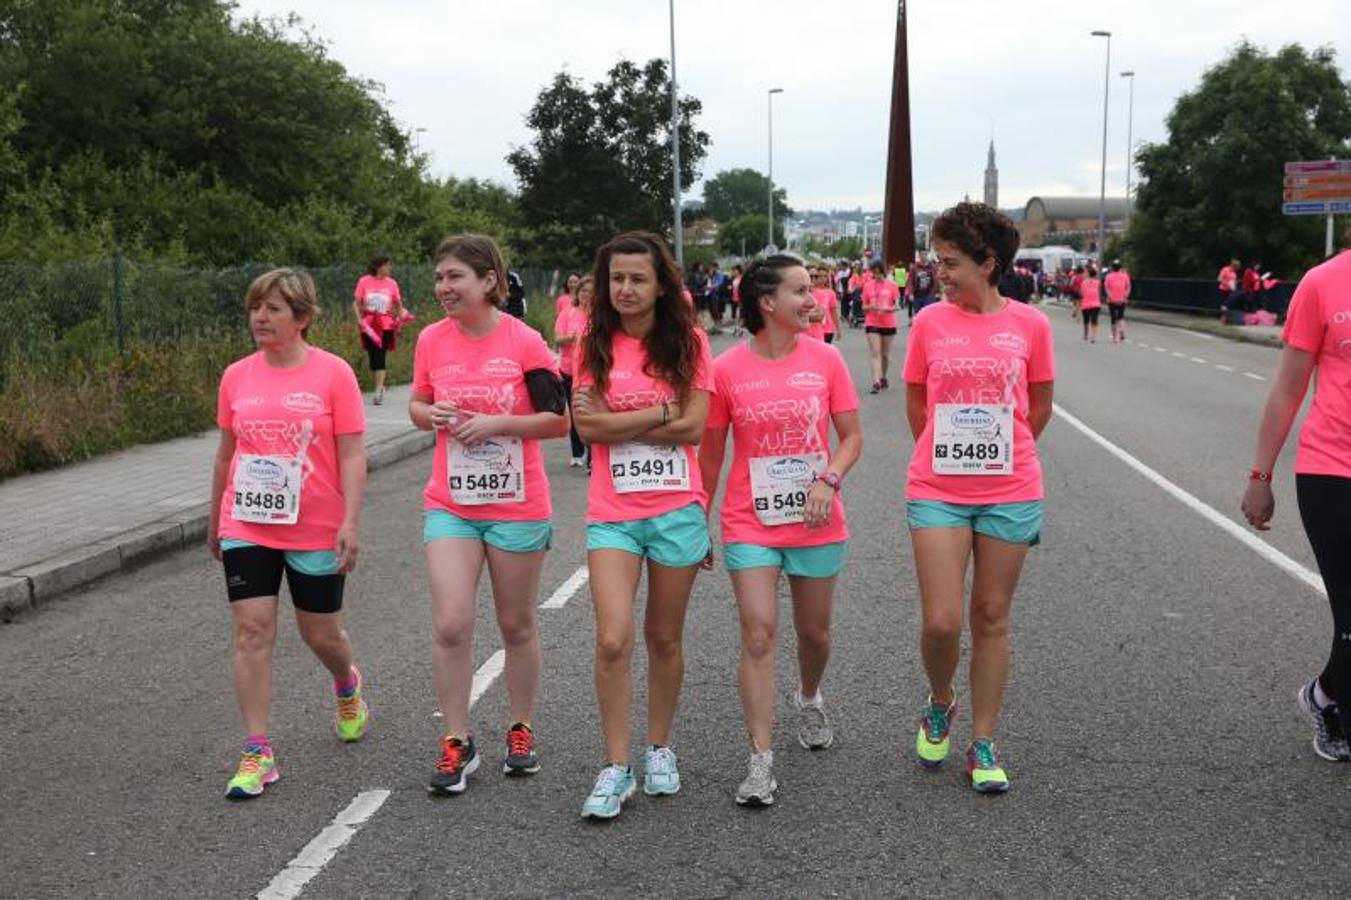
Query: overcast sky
1026, 71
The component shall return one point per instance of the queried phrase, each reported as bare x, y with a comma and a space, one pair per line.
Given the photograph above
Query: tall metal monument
898, 218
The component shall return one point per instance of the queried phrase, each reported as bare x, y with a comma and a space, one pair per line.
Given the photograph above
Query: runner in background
286, 494
782, 512
1090, 302
643, 378
1317, 334
857, 282
979, 376
487, 384
1117, 286
1226, 282
1076, 290
922, 285
569, 296
881, 299
568, 330
737, 272
380, 315
820, 319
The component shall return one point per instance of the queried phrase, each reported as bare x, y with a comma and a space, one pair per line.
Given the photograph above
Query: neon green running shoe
933, 744
256, 771
982, 765
353, 716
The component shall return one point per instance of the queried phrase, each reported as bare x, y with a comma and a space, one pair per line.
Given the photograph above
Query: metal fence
1199, 295
99, 309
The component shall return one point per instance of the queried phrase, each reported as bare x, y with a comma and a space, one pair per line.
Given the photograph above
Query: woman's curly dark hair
981, 232
671, 347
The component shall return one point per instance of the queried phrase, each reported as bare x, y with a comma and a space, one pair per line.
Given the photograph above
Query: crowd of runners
633, 385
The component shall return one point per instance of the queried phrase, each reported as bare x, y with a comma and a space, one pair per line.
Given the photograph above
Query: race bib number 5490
972, 439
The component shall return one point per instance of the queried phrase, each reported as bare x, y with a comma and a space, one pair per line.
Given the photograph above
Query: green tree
742, 192
1213, 190
600, 161
746, 235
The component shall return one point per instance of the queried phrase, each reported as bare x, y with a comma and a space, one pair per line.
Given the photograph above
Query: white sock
814, 700
1319, 697
766, 755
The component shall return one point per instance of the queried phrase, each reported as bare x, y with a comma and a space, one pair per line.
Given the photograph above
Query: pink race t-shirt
968, 358
484, 375
377, 297
1090, 294
825, 299
631, 388
1118, 287
563, 302
1319, 322
291, 414
571, 321
884, 296
778, 408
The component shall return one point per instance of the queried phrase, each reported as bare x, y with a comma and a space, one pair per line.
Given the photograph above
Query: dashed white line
487, 674
1179, 355
290, 881
1254, 377
1197, 359
1224, 368
572, 585
1247, 538
1160, 349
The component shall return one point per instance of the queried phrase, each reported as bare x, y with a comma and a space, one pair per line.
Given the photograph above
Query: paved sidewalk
1267, 335
63, 528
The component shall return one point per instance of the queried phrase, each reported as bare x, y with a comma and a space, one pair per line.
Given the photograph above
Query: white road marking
1224, 368
1179, 355
486, 675
1160, 349
1197, 359
291, 880
1254, 377
572, 585
1204, 510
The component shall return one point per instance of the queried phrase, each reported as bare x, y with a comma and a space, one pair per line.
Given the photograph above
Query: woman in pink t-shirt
779, 393
821, 321
979, 372
881, 299
1317, 338
286, 496
1090, 302
737, 328
643, 377
380, 314
1117, 286
569, 296
488, 385
568, 330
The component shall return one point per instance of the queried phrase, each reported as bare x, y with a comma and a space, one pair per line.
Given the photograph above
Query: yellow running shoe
982, 765
932, 744
257, 769
353, 716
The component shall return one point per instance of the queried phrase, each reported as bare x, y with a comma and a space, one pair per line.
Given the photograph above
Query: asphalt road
1150, 730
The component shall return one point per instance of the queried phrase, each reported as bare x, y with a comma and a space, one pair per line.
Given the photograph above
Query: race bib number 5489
972, 439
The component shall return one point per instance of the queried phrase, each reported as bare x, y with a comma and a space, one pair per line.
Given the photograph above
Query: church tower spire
991, 180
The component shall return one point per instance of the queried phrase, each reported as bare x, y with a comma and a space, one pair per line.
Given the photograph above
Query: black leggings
1325, 507
375, 354
578, 447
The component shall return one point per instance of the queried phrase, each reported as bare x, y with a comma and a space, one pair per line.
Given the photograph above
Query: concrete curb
1205, 326
39, 583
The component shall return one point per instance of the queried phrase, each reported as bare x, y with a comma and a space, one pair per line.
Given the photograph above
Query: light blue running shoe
660, 775
614, 785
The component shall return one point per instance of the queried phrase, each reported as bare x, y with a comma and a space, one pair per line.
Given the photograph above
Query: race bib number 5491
644, 467
972, 439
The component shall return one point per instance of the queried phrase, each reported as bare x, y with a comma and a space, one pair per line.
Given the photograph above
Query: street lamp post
678, 227
772, 91
417, 140
1130, 150
1102, 188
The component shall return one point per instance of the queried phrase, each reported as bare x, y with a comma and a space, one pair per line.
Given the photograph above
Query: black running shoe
521, 758
458, 761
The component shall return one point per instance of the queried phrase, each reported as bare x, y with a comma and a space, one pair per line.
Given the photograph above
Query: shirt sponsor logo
1341, 317
501, 367
806, 381
303, 402
957, 340
446, 371
266, 472
485, 451
790, 469
247, 402
757, 385
1005, 340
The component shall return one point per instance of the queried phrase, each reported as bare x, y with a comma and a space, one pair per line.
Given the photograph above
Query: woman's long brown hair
671, 347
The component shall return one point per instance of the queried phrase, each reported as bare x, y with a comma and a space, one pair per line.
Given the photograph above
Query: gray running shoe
660, 775
759, 787
1329, 737
813, 726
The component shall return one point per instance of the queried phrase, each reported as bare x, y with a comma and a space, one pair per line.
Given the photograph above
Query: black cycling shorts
1091, 315
1116, 312
885, 332
255, 571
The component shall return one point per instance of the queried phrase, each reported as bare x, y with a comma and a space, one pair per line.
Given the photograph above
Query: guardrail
1199, 295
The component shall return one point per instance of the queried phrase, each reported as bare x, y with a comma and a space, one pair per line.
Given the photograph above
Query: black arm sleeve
546, 391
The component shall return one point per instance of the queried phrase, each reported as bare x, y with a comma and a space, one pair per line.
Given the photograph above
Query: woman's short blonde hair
294, 286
